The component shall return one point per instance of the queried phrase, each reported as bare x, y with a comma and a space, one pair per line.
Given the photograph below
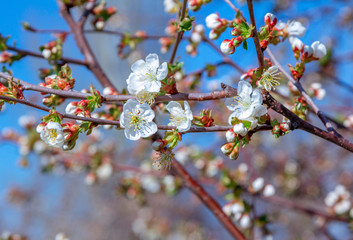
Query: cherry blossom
180, 118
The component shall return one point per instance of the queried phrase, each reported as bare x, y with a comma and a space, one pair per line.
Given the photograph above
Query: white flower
240, 129
137, 119
107, 91
237, 208
247, 104
213, 21
171, 6
52, 134
331, 199
269, 79
104, 171
295, 28
180, 118
227, 209
147, 75
258, 184
227, 47
269, 190
46, 53
319, 49
342, 206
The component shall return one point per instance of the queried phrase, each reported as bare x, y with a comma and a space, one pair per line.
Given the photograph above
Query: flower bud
269, 190
227, 148
230, 136
308, 51
227, 47
284, 127
71, 107
276, 129
46, 53
213, 21
240, 129
158, 145
235, 153
319, 50
199, 28
257, 184
297, 44
270, 20
213, 35
194, 5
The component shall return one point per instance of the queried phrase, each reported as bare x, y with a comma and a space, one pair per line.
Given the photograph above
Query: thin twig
260, 55
302, 91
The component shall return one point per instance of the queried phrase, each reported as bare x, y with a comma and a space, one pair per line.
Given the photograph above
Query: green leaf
245, 45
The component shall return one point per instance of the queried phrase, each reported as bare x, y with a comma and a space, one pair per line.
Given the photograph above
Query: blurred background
41, 196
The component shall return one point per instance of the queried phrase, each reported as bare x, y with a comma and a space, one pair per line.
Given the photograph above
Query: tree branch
82, 44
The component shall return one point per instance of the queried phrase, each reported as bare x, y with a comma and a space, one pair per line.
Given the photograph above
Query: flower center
270, 80
51, 134
145, 97
136, 120
162, 160
151, 76
177, 120
241, 103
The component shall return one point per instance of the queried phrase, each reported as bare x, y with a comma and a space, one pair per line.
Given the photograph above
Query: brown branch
38, 55
180, 34
116, 98
82, 44
207, 199
260, 55
302, 91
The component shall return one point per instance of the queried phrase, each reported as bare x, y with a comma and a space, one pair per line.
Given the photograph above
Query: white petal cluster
227, 47
295, 29
339, 200
236, 211
248, 103
137, 119
146, 76
52, 134
240, 129
319, 49
179, 117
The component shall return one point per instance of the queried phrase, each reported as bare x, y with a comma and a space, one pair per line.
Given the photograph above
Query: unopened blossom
270, 19
319, 50
71, 108
230, 136
269, 79
100, 25
245, 221
196, 37
339, 200
137, 119
308, 51
240, 129
227, 47
213, 21
52, 134
247, 104
269, 190
258, 184
180, 118
147, 75
171, 6
297, 45
46, 53
213, 35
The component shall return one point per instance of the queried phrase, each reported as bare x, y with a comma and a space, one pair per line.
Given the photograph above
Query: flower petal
152, 61
173, 107
146, 112
122, 120
231, 103
244, 89
256, 96
132, 134
260, 111
153, 86
148, 129
130, 105
138, 66
162, 71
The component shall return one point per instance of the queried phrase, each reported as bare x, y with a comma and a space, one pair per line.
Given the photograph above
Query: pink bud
270, 20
